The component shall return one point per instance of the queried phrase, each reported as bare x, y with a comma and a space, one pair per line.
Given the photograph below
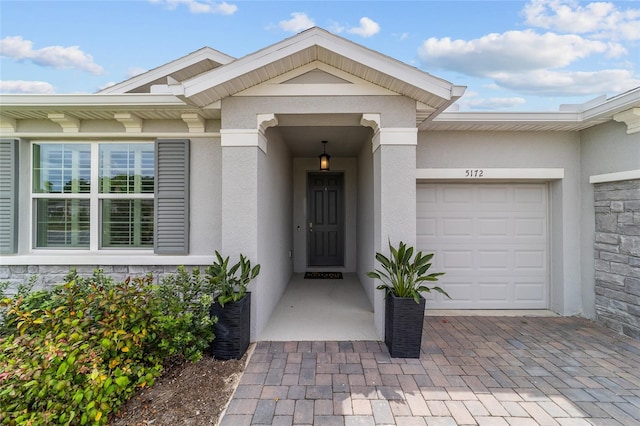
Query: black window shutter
171, 196
8, 196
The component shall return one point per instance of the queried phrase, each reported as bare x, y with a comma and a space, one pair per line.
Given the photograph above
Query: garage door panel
529, 227
530, 260
493, 259
457, 227
529, 291
529, 194
493, 227
459, 260
460, 292
494, 194
457, 195
494, 291
428, 227
491, 242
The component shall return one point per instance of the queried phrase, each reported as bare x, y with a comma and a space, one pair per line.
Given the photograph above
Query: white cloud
26, 87
472, 101
512, 51
299, 22
568, 83
59, 57
200, 6
367, 28
601, 19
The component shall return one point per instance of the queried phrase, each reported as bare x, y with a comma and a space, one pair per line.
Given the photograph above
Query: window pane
62, 223
127, 223
61, 168
126, 168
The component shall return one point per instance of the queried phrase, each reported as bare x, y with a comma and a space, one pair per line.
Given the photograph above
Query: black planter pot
232, 329
403, 326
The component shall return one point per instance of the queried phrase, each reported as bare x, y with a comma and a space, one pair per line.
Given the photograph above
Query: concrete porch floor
318, 309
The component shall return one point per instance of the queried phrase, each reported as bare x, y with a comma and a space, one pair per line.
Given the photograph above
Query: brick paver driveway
473, 370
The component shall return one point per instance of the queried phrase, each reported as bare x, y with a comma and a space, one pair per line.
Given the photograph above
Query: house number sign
474, 173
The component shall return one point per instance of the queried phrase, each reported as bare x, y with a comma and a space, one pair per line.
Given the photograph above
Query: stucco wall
617, 255
274, 228
604, 149
240, 112
365, 225
205, 233
527, 150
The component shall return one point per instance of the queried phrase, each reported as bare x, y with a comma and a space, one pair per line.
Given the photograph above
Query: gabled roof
191, 65
316, 44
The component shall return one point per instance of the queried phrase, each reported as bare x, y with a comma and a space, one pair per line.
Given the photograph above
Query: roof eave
322, 39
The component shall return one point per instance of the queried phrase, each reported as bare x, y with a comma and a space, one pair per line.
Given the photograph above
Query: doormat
323, 276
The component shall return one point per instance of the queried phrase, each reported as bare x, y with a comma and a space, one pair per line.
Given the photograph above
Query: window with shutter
8, 196
172, 196
93, 195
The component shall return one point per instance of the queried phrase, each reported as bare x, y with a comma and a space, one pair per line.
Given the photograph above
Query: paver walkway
472, 370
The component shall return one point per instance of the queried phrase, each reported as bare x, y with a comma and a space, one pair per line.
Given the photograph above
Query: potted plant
403, 276
231, 305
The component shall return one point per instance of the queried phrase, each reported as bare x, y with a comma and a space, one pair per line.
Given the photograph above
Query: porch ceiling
303, 134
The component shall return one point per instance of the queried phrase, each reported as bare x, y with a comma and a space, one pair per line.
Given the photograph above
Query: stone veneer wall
48, 275
617, 256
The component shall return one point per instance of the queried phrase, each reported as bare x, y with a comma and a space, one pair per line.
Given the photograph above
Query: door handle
310, 226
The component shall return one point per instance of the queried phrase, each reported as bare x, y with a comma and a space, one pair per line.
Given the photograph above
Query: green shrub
187, 328
74, 354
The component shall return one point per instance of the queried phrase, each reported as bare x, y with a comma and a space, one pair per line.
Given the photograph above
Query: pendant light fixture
324, 158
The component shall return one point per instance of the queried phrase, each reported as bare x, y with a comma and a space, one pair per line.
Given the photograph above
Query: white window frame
94, 196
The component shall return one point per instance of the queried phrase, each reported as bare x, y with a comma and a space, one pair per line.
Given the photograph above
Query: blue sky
512, 55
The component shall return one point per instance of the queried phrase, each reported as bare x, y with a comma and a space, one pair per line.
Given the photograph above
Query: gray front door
325, 219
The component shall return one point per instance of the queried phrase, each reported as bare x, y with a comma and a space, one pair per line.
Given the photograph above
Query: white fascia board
326, 40
614, 105
138, 99
169, 68
615, 177
507, 117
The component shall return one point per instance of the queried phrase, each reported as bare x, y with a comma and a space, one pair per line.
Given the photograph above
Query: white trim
631, 118
309, 89
125, 100
124, 257
615, 177
68, 123
480, 174
243, 137
8, 124
395, 136
195, 122
131, 122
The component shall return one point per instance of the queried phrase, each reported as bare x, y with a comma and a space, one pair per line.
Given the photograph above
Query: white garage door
490, 240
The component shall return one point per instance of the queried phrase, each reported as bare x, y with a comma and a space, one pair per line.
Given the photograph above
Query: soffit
99, 107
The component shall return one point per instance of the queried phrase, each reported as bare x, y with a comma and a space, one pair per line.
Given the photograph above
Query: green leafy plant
74, 354
187, 327
402, 273
230, 282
